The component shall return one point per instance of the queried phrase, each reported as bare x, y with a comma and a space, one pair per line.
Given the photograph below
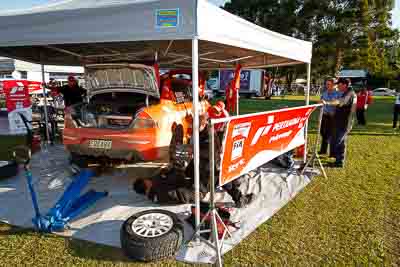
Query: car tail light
143, 121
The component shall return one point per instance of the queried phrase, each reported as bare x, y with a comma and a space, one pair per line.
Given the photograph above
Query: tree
345, 33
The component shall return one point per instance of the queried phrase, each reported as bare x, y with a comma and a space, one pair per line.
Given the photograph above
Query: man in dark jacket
72, 92
345, 108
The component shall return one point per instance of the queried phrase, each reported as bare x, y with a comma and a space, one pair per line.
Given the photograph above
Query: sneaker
338, 164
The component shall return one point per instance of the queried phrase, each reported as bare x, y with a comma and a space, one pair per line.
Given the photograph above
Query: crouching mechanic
174, 186
218, 111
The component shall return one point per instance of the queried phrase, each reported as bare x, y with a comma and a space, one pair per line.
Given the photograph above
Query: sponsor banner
35, 87
17, 94
226, 77
252, 140
17, 101
16, 124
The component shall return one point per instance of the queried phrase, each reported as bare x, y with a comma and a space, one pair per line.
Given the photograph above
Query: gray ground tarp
101, 223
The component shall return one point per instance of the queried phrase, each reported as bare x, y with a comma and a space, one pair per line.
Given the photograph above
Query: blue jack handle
32, 192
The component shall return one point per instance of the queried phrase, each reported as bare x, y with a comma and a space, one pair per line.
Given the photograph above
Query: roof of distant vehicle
386, 89
353, 74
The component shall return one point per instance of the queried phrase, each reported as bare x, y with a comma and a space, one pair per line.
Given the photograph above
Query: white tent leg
307, 94
46, 118
196, 147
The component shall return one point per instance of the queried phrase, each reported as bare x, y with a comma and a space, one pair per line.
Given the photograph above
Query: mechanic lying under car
175, 185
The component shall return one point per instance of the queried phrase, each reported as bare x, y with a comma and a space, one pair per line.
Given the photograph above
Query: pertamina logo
264, 130
16, 89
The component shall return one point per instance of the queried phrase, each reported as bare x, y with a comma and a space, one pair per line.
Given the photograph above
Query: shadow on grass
8, 230
93, 251
76, 247
103, 253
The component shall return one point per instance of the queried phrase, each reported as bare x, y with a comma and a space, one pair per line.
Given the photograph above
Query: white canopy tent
73, 32
179, 33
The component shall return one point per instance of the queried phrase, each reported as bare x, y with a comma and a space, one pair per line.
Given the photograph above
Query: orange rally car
125, 117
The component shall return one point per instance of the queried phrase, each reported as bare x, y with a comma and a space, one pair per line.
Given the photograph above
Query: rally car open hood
121, 77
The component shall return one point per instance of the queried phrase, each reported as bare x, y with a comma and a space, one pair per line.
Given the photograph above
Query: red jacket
363, 98
214, 114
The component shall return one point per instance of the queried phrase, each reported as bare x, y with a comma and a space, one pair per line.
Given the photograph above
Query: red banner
35, 87
17, 94
252, 140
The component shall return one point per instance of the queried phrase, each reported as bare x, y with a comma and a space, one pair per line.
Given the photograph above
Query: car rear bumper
125, 145
121, 154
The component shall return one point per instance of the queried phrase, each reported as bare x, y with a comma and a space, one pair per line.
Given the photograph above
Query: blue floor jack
71, 203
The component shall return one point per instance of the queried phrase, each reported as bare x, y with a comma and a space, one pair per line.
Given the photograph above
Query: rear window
120, 76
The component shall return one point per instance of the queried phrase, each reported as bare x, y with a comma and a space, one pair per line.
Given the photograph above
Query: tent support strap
196, 146
307, 103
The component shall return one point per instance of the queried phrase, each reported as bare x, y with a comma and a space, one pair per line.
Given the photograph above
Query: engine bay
109, 110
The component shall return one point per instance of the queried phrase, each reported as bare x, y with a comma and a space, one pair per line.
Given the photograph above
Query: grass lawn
352, 218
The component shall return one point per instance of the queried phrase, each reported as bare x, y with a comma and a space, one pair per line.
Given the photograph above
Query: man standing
72, 92
345, 107
218, 111
267, 85
396, 111
363, 100
328, 120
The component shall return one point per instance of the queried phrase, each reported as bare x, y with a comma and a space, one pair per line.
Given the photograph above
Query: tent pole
237, 102
46, 118
196, 146
307, 103
237, 95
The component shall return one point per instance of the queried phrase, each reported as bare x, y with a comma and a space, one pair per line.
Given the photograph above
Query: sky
396, 15
16, 4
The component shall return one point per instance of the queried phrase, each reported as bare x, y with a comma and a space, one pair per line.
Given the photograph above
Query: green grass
352, 218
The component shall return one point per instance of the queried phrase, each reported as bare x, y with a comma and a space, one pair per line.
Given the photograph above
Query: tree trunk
339, 59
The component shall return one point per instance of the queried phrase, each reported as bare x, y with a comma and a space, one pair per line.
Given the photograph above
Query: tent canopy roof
74, 32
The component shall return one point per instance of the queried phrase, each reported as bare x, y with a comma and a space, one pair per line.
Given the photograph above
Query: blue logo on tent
167, 18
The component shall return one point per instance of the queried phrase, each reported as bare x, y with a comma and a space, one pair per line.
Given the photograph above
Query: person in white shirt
396, 111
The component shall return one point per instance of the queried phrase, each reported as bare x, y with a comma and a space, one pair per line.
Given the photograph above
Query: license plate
100, 144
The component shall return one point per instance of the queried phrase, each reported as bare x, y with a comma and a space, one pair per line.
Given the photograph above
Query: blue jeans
340, 138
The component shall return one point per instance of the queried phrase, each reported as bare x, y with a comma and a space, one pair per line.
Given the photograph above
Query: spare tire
152, 235
8, 169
